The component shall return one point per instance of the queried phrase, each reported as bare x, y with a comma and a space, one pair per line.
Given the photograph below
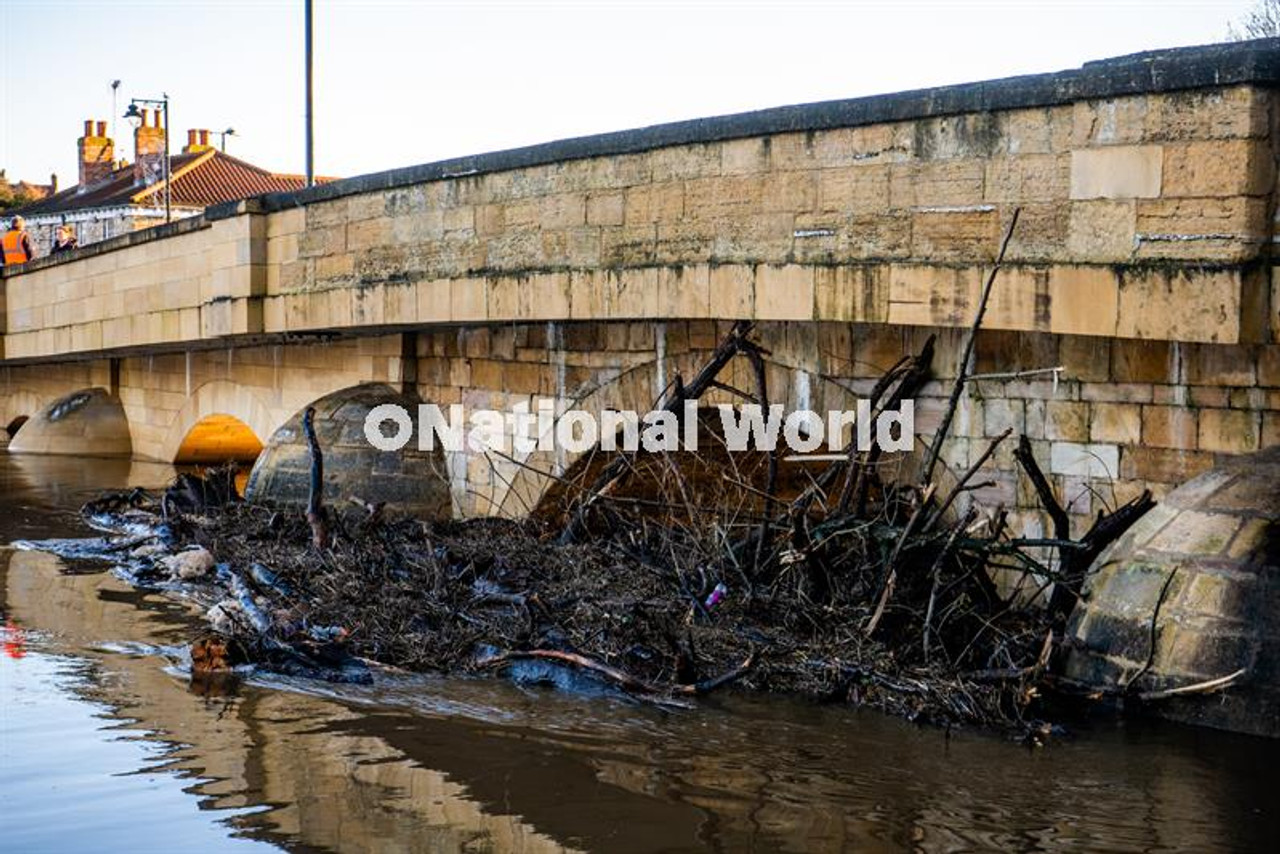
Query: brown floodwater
104, 746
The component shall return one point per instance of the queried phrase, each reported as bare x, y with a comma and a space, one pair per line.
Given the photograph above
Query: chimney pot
96, 154
191, 137
204, 137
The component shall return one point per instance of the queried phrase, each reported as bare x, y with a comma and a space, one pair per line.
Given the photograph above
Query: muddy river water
104, 746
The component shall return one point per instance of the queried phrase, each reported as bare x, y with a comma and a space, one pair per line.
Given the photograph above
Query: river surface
105, 746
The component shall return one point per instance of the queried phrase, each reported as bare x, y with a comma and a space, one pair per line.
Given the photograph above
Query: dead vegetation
670, 575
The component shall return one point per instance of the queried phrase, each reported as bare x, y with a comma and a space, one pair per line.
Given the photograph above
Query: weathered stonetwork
1190, 596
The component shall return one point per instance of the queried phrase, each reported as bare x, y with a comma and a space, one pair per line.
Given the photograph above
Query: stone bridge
593, 270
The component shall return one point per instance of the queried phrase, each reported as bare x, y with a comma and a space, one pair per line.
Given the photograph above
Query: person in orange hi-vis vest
17, 243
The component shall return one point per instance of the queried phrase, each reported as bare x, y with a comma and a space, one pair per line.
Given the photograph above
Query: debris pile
663, 575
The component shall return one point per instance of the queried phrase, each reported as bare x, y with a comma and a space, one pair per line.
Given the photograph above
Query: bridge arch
214, 405
16, 408
409, 480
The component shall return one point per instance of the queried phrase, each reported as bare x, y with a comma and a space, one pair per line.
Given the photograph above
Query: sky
401, 83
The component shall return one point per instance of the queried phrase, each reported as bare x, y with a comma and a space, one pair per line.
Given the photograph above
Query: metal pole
168, 176
311, 167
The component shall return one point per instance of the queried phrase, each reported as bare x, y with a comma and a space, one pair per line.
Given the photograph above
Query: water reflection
433, 765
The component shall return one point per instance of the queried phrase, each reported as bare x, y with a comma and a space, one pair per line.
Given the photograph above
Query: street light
134, 117
222, 135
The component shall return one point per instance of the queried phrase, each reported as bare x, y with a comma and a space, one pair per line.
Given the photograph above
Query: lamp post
134, 117
222, 137
311, 166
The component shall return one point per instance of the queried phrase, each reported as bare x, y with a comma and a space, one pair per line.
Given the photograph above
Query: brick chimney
97, 154
197, 141
148, 149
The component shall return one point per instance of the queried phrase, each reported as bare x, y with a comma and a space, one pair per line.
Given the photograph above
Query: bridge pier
411, 481
88, 422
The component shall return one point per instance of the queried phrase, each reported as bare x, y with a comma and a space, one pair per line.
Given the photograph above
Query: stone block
1270, 430
320, 241
369, 233
1220, 365
1164, 465
1066, 421
718, 198
1085, 359
784, 293
1225, 229
744, 156
851, 293
605, 209
467, 299
1206, 396
1115, 392
945, 183
1110, 121
1042, 231
1084, 460
790, 192
684, 292
853, 189
749, 237
1169, 427
1117, 172
1101, 231
955, 235
1195, 533
1027, 178
1197, 114
1252, 540
1183, 305
1232, 167
926, 295
1229, 431
1135, 361
1000, 415
1083, 300
1116, 422
684, 162
631, 294
628, 245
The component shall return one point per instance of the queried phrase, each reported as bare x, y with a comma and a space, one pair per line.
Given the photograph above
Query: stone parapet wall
1144, 217
202, 282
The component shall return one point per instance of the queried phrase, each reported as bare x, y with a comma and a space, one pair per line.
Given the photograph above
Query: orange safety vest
14, 251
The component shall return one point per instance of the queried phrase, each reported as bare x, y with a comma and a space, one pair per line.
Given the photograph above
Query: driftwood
617, 471
315, 495
1075, 556
962, 369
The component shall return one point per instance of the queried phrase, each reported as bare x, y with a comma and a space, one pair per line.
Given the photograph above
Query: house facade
114, 197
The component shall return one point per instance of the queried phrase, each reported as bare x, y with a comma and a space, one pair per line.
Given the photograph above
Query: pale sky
399, 83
